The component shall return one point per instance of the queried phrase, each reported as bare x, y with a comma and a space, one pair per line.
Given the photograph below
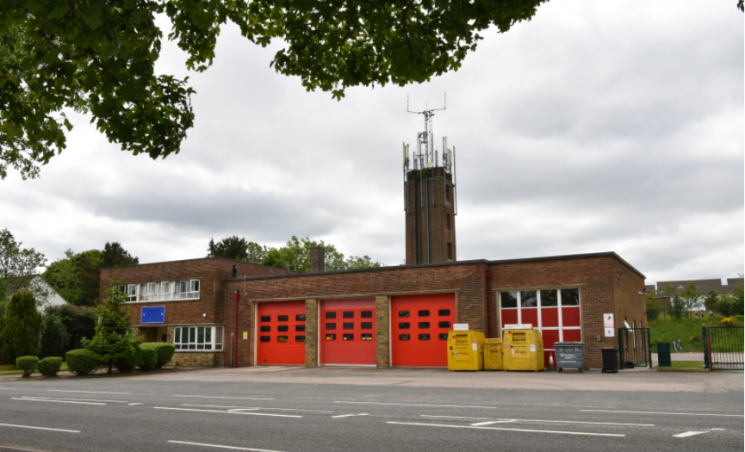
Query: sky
597, 126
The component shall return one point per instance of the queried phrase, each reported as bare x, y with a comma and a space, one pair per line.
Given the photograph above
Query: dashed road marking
671, 413
221, 397
415, 404
40, 428
221, 446
227, 412
34, 399
349, 415
504, 429
87, 392
687, 434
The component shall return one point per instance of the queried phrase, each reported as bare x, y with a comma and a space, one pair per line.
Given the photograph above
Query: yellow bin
523, 349
465, 350
493, 354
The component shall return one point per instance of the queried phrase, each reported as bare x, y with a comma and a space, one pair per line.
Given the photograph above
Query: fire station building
220, 312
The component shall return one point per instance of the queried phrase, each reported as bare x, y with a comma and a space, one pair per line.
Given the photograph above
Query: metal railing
633, 348
723, 347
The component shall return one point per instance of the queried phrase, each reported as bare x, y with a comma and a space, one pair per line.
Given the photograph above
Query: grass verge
687, 330
684, 365
10, 369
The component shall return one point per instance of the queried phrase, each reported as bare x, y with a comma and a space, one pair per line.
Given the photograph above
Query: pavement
636, 380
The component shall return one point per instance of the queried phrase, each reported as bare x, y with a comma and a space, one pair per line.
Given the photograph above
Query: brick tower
429, 199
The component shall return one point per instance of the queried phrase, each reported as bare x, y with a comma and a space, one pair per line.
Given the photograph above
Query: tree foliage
21, 327
18, 264
113, 339
114, 255
99, 58
78, 321
54, 336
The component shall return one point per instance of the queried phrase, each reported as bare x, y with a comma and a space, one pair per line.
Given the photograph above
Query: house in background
703, 286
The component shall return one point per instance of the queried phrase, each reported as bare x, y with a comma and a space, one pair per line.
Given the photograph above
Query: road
141, 414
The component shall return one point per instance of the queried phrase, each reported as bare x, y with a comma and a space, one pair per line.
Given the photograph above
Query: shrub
27, 364
21, 327
82, 361
50, 365
164, 350
148, 359
128, 364
653, 309
728, 321
53, 336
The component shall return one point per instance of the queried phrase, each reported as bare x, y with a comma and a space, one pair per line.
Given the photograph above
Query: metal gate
633, 348
723, 347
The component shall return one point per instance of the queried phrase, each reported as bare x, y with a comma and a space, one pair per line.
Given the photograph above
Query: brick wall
439, 235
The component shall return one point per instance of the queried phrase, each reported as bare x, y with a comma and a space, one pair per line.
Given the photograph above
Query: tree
229, 248
691, 298
113, 338
79, 322
53, 336
114, 255
18, 264
361, 262
21, 327
711, 300
76, 278
101, 58
677, 307
295, 255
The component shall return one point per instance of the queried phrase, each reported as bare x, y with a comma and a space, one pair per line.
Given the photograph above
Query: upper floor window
164, 290
447, 221
129, 291
188, 289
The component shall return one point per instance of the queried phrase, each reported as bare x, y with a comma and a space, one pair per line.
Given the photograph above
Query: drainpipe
488, 303
235, 343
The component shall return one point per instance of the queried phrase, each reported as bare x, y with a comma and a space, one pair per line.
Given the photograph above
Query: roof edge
612, 254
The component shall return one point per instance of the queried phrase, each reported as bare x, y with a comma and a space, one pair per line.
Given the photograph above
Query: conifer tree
54, 336
113, 338
21, 327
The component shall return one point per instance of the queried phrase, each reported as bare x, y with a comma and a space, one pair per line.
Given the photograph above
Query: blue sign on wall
154, 315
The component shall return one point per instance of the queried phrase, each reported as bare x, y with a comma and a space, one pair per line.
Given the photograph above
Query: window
187, 338
166, 290
403, 313
188, 289
366, 337
348, 326
549, 298
424, 313
151, 292
281, 338
447, 221
404, 337
266, 329
282, 328
447, 193
266, 318
570, 297
443, 312
129, 291
265, 339
424, 325
366, 314
300, 328
348, 337
443, 336
404, 325
424, 337
450, 251
508, 299
528, 299
443, 324
348, 314
300, 318
330, 315
331, 337
283, 318
366, 325
331, 326
299, 338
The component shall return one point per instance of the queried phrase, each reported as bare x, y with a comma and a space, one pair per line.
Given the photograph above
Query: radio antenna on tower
425, 140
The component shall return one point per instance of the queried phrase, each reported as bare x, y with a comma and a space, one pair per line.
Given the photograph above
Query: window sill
161, 301
200, 351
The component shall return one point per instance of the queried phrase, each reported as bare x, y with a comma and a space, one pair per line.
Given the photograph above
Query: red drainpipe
235, 345
488, 302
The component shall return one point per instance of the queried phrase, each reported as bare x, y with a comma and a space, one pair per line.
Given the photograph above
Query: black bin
664, 359
610, 360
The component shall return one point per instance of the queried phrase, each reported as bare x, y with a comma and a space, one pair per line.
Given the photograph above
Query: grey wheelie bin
570, 355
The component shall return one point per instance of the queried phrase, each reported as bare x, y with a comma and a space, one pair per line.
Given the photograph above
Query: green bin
664, 359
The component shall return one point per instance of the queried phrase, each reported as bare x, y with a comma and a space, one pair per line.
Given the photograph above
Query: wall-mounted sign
245, 335
460, 327
156, 314
608, 325
610, 332
518, 326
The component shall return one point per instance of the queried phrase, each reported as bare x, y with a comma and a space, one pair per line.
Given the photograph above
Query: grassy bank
687, 330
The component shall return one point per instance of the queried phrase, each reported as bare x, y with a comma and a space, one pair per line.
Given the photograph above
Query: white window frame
166, 294
192, 287
194, 338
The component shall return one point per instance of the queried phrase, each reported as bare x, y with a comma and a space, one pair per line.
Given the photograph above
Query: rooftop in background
702, 285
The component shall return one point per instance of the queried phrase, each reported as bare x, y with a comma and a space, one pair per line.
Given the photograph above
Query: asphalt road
136, 414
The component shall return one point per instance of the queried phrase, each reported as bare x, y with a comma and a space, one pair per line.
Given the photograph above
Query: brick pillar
311, 332
317, 259
382, 333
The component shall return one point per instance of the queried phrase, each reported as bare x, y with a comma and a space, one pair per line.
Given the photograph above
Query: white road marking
40, 428
31, 399
81, 400
664, 412
558, 432
9, 389
456, 417
134, 404
256, 408
88, 392
538, 421
508, 421
415, 404
220, 397
226, 412
687, 434
349, 415
222, 447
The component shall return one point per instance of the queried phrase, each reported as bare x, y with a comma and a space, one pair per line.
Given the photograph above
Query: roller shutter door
348, 332
281, 333
419, 327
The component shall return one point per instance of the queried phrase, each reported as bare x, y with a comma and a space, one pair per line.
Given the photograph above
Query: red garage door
554, 312
419, 327
348, 332
281, 333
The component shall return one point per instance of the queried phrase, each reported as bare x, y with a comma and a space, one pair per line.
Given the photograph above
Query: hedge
128, 364
27, 364
82, 361
148, 359
50, 365
164, 350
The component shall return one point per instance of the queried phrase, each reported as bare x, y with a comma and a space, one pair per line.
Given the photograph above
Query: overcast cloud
597, 126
